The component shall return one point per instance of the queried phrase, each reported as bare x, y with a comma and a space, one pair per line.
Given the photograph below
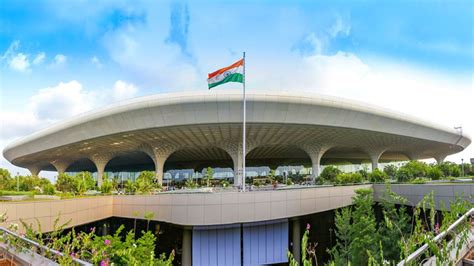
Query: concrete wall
414, 193
184, 209
78, 210
235, 207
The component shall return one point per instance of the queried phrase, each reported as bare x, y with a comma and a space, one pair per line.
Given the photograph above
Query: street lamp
17, 181
462, 166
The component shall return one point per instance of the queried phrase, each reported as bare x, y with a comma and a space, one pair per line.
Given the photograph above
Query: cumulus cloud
20, 62
443, 99
56, 103
123, 90
61, 101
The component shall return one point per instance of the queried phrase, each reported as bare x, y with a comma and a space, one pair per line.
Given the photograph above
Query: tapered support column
186, 256
296, 240
100, 161
315, 152
234, 149
61, 165
375, 154
159, 153
440, 158
34, 170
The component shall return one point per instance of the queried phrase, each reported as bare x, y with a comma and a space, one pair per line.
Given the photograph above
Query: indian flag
232, 73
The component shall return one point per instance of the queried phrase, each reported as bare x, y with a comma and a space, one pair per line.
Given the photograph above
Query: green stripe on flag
236, 77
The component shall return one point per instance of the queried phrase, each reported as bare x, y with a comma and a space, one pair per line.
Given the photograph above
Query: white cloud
39, 58
95, 61
60, 59
62, 101
53, 104
20, 62
426, 94
123, 90
340, 27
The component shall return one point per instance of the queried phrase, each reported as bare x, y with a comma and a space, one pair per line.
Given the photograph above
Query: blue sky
78, 55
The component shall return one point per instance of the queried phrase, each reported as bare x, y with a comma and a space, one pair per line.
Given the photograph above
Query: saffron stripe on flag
222, 70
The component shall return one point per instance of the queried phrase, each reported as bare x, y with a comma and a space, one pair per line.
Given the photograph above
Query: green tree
144, 182
329, 174
88, 179
209, 174
395, 225
450, 169
390, 170
363, 230
6, 181
340, 253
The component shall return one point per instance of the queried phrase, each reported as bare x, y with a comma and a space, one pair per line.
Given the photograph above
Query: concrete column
34, 170
234, 148
375, 162
375, 154
159, 153
61, 165
100, 161
440, 158
296, 240
159, 169
315, 152
186, 253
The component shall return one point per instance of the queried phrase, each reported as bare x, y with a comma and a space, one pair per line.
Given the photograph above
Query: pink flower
436, 228
308, 226
104, 263
73, 254
107, 242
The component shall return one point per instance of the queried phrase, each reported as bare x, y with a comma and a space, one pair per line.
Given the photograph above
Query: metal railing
42, 247
412, 257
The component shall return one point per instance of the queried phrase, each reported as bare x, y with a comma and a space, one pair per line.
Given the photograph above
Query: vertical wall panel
265, 242
216, 245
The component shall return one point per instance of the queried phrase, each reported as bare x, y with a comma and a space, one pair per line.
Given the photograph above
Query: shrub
88, 179
6, 181
106, 187
190, 183
329, 174
130, 187
418, 180
434, 172
390, 170
144, 182
377, 176
349, 178
416, 168
66, 183
404, 175
49, 189
225, 183
450, 169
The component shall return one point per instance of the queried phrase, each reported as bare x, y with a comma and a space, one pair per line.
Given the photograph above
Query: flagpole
243, 132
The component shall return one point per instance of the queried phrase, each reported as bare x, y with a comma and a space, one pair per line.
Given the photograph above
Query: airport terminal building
201, 129
196, 130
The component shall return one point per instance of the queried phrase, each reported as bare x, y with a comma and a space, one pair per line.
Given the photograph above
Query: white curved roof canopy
196, 120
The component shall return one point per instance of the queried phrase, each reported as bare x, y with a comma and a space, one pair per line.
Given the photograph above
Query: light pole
462, 166
17, 181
